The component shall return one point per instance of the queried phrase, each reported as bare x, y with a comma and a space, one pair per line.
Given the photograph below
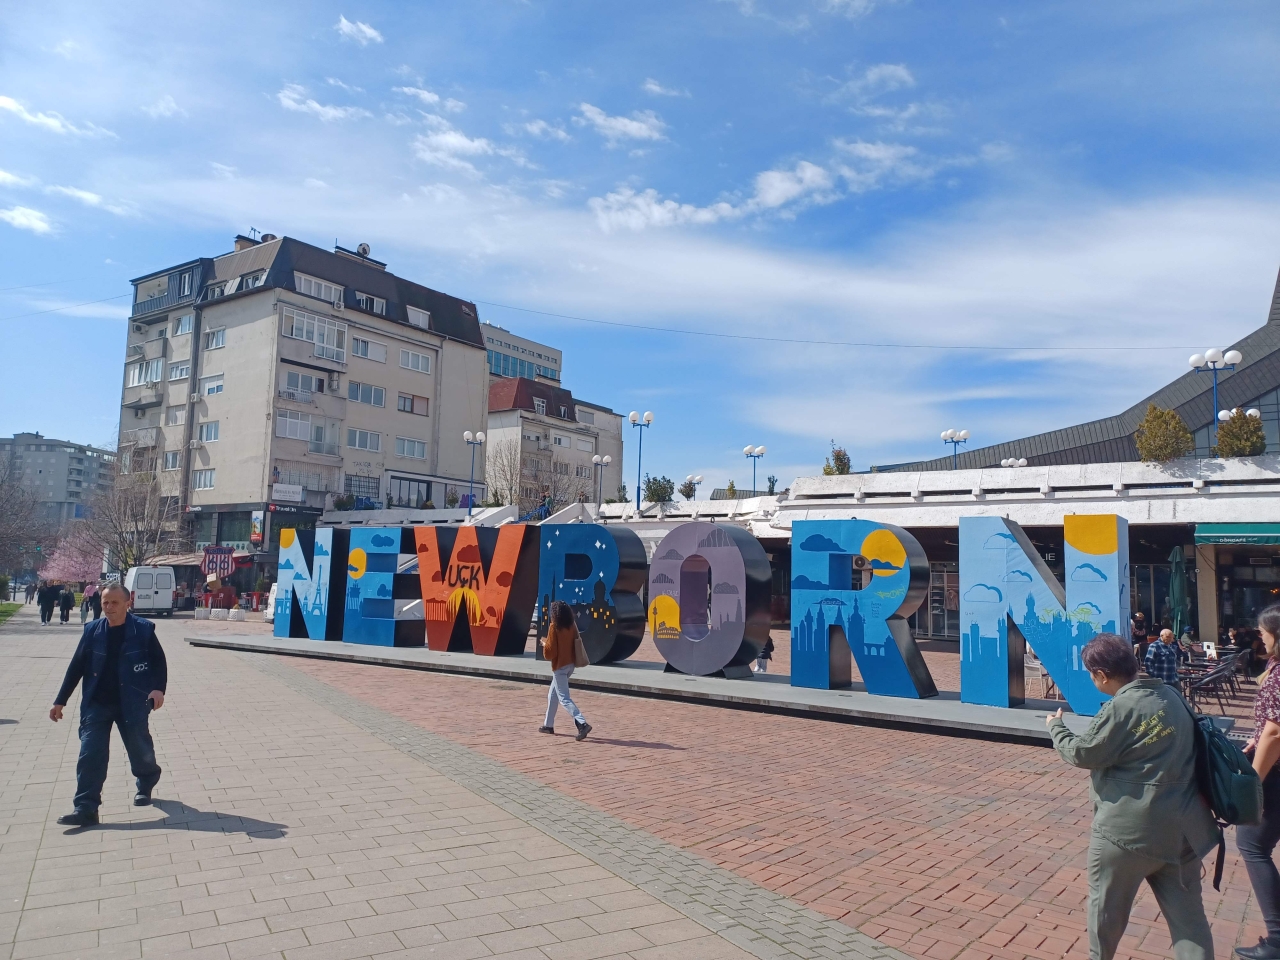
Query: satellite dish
363, 249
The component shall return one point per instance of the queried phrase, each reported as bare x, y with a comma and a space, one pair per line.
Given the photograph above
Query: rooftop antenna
253, 233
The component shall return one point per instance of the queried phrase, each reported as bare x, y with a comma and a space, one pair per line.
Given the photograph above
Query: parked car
269, 608
151, 589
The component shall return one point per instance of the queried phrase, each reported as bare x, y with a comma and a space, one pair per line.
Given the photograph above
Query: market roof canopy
1241, 533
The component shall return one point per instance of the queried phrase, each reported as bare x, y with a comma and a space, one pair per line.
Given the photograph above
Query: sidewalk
293, 821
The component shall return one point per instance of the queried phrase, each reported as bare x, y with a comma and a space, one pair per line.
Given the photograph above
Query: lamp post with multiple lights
696, 481
600, 463
640, 422
1211, 361
1013, 462
473, 441
955, 438
755, 453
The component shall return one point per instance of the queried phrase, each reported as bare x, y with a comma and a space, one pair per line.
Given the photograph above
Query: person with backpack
1257, 843
1150, 820
563, 648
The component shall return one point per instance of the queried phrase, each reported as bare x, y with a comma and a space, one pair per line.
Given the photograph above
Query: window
211, 385
300, 386
180, 370
407, 447
215, 339
312, 287
184, 323
371, 303
419, 318
293, 425
149, 371
369, 349
362, 486
202, 479
175, 416
366, 393
587, 446
415, 361
144, 580
561, 441
364, 440
582, 470
413, 404
561, 468
329, 336
251, 280
564, 412
159, 333
209, 432
215, 290
540, 407
324, 437
586, 416
405, 492
172, 460
150, 289
184, 286
164, 581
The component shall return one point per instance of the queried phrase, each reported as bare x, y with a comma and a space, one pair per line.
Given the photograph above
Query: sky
770, 222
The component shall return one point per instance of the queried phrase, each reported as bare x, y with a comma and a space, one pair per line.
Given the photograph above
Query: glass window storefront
939, 616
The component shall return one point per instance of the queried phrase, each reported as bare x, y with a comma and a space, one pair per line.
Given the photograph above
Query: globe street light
638, 421
755, 453
600, 463
1014, 462
955, 438
472, 442
696, 481
1211, 361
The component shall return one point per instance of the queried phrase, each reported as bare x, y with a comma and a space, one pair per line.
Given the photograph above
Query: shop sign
218, 561
291, 492
256, 520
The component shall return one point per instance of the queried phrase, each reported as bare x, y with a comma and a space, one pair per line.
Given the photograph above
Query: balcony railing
294, 394
325, 449
165, 302
141, 436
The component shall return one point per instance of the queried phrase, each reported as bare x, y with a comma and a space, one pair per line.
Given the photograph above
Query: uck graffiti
854, 584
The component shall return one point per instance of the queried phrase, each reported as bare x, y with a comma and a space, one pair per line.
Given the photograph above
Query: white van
151, 589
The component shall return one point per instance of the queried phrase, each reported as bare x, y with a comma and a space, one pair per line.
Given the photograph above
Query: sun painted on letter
1094, 535
884, 546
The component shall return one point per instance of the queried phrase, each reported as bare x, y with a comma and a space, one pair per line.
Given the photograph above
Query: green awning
1242, 533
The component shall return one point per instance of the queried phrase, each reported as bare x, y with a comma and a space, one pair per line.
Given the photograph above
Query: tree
773, 484
25, 535
621, 496
1162, 436
658, 489
502, 466
837, 464
731, 491
1241, 436
74, 558
132, 521
688, 489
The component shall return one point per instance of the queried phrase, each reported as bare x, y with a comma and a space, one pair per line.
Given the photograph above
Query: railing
296, 395
326, 449
141, 436
166, 302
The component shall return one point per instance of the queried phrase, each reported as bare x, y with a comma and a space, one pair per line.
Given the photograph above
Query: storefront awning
1238, 533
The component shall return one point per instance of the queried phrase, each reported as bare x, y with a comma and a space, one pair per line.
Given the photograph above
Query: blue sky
962, 175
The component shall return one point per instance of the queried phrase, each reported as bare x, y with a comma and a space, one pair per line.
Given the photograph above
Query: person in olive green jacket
1150, 821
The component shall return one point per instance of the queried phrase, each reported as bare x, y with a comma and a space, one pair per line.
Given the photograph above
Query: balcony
164, 302
294, 394
141, 437
189, 277
143, 398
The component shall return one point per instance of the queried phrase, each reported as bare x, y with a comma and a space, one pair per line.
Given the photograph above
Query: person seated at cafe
1138, 633
1161, 661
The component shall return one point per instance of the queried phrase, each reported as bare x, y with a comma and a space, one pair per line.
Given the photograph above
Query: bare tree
502, 467
26, 534
553, 477
133, 521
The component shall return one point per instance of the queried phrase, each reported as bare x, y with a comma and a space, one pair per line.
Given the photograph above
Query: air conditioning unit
195, 398
196, 444
138, 328
339, 305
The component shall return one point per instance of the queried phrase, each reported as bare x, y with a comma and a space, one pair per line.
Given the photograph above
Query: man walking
123, 668
46, 598
1162, 659
66, 602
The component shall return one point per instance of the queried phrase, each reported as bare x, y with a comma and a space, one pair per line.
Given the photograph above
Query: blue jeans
559, 695
95, 752
1256, 844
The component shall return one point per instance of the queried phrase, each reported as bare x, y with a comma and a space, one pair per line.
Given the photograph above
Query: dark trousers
95, 752
46, 612
1255, 844
66, 613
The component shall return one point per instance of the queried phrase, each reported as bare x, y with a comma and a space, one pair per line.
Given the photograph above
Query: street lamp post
472, 442
1211, 361
600, 463
641, 423
1014, 462
755, 453
955, 438
696, 481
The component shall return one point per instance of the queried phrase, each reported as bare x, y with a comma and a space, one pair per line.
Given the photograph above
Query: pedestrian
1150, 821
95, 600
1256, 843
122, 664
1161, 661
1138, 630
561, 648
766, 654
31, 592
47, 598
66, 601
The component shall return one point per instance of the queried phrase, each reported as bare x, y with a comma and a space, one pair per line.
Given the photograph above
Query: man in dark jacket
122, 664
47, 598
66, 601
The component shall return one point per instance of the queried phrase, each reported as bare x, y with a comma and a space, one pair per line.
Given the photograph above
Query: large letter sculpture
479, 586
710, 588
384, 597
1009, 598
599, 571
312, 570
854, 583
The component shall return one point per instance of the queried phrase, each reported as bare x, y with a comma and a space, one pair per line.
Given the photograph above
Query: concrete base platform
943, 714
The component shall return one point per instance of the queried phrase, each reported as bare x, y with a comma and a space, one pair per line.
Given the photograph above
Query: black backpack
1227, 781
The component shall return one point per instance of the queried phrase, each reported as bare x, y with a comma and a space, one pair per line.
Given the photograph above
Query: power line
87, 303
817, 343
48, 283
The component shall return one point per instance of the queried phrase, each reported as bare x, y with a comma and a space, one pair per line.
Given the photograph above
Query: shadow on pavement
179, 816
2, 722
634, 743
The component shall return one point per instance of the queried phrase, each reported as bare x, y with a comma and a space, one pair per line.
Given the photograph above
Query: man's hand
55, 712
157, 697
1052, 717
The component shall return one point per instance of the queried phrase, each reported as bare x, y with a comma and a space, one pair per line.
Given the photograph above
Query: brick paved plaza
318, 809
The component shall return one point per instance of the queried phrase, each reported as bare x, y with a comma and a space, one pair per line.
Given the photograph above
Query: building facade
65, 476
511, 356
541, 444
271, 380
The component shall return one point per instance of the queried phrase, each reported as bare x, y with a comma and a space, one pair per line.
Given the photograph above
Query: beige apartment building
264, 383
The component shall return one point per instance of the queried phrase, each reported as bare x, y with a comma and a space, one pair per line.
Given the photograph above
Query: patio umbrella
1178, 599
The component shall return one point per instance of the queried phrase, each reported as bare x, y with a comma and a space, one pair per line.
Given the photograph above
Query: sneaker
583, 729
551, 730
80, 818
141, 799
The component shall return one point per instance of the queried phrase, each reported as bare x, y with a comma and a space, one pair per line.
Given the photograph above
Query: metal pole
1215, 405
471, 484
639, 456
754, 461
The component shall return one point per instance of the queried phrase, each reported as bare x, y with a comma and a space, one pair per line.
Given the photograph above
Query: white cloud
446, 146
361, 33
166, 106
641, 125
75, 193
851, 8
543, 130
294, 97
222, 171
875, 80
774, 188
658, 90
8, 179
335, 82
25, 218
51, 121
454, 106
426, 96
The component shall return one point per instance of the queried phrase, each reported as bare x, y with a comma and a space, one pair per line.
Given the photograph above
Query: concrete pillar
1207, 591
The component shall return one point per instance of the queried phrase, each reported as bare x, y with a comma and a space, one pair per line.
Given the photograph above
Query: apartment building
63, 475
542, 443
511, 356
265, 382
